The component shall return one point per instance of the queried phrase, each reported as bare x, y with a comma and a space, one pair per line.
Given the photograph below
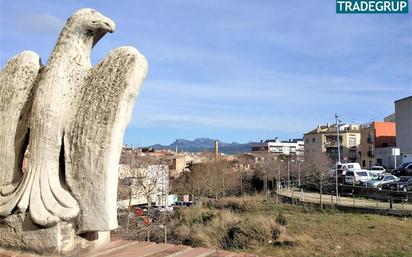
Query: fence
353, 196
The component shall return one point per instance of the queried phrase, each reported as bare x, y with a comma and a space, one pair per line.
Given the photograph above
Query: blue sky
237, 70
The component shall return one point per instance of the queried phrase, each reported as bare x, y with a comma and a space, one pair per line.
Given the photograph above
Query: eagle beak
109, 26
106, 25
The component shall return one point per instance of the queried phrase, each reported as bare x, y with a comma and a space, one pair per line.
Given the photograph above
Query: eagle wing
17, 85
93, 138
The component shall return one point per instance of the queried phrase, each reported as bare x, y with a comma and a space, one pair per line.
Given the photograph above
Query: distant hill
205, 145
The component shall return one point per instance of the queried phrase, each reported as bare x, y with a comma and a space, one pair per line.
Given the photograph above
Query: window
352, 154
362, 173
307, 140
363, 163
352, 142
313, 140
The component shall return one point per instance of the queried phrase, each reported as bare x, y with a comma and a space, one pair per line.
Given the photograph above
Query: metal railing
352, 196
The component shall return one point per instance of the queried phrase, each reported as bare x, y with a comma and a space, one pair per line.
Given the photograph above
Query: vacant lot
330, 233
259, 225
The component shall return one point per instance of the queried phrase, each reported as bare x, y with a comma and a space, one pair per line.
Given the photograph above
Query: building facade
377, 141
323, 139
293, 147
403, 116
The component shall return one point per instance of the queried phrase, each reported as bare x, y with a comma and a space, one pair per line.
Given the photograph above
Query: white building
403, 115
276, 146
149, 183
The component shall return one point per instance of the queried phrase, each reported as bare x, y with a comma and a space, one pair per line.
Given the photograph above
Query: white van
343, 167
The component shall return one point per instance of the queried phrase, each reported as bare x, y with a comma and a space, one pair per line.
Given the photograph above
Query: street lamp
336, 168
280, 184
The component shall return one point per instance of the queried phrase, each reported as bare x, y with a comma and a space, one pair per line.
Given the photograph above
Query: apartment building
377, 141
323, 139
403, 116
276, 146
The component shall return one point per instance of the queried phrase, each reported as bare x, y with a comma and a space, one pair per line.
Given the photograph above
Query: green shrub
195, 214
281, 220
227, 225
251, 232
238, 204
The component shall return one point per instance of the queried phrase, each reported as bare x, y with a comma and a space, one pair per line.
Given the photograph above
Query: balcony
331, 144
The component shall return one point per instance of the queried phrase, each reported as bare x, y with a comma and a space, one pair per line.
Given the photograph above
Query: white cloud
269, 86
39, 23
243, 122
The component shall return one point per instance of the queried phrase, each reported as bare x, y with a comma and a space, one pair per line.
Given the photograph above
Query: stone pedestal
19, 232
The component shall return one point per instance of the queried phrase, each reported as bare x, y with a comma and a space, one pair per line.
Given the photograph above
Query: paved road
346, 201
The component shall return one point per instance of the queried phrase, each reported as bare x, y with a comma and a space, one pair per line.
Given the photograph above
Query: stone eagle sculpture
66, 122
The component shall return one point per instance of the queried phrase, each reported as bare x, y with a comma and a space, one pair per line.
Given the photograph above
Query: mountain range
205, 145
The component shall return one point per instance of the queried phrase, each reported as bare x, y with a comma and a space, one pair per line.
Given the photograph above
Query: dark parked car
403, 184
405, 169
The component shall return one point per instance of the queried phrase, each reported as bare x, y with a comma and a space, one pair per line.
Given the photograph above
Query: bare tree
317, 170
209, 179
271, 170
244, 171
140, 178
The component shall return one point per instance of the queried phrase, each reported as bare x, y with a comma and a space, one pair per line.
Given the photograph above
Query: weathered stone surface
18, 231
69, 118
16, 90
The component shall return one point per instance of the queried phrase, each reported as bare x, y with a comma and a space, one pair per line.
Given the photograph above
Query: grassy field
260, 226
334, 233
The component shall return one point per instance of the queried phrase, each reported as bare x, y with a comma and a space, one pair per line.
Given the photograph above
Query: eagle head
91, 24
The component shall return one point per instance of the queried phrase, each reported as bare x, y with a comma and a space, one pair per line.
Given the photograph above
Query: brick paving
124, 248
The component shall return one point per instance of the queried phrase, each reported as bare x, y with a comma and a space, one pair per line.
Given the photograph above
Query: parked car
357, 177
405, 169
379, 181
403, 184
378, 170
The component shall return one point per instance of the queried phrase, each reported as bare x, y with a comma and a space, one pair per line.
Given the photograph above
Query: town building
377, 141
390, 118
145, 184
323, 139
293, 147
403, 116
